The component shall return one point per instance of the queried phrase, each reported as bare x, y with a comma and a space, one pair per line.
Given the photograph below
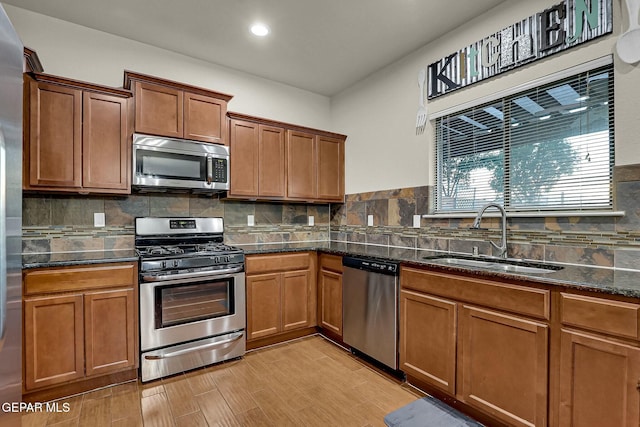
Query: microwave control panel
219, 170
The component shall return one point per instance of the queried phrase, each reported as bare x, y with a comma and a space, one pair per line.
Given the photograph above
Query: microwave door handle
209, 170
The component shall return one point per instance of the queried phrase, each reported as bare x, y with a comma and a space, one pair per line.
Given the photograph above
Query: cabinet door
301, 165
296, 295
54, 340
428, 339
204, 118
105, 143
271, 162
598, 382
263, 305
331, 301
55, 136
109, 331
504, 367
330, 169
159, 110
243, 158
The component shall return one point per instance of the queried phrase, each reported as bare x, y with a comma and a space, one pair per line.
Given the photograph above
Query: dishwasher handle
372, 264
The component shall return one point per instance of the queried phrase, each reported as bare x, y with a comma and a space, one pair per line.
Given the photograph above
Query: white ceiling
323, 46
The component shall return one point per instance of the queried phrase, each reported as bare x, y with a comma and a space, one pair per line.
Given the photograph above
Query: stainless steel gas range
192, 295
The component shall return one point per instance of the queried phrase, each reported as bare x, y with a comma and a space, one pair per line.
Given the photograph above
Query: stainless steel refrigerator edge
11, 67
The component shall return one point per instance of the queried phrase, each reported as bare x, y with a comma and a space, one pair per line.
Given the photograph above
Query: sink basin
495, 264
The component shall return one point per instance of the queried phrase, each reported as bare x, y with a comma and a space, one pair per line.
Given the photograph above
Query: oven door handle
161, 354
214, 274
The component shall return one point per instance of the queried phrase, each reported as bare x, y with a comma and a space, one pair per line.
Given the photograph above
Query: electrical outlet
98, 219
416, 221
370, 220
251, 220
311, 220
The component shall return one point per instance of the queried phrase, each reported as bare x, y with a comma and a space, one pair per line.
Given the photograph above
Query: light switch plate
416, 221
251, 220
98, 219
370, 220
311, 220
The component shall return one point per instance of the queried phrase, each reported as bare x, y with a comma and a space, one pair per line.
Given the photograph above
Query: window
546, 148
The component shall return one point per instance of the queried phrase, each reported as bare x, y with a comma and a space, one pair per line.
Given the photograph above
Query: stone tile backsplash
597, 240
53, 223
65, 223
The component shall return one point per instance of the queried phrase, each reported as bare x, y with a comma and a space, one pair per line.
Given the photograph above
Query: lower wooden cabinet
297, 289
79, 322
281, 292
492, 361
330, 294
599, 381
504, 367
109, 345
53, 340
264, 299
428, 333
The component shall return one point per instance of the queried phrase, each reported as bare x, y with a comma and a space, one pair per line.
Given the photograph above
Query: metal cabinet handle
163, 355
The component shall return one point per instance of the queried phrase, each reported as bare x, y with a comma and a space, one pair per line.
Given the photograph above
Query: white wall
77, 52
379, 113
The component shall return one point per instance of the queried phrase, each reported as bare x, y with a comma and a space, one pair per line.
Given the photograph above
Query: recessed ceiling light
259, 30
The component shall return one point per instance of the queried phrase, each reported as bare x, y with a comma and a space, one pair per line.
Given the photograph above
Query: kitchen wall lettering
562, 26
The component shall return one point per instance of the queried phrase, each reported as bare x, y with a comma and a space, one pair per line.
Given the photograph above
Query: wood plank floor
307, 382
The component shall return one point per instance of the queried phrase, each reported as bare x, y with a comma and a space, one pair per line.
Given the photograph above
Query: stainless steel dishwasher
370, 308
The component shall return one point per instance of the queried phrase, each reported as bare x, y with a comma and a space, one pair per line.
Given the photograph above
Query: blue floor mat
428, 411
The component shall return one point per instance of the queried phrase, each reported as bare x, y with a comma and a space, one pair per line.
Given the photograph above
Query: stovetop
186, 249
177, 245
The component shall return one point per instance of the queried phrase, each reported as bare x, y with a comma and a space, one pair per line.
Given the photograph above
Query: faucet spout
502, 248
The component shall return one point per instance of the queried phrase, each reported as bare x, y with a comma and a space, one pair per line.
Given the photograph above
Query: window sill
528, 214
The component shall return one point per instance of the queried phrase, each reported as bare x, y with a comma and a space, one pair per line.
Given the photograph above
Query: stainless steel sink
497, 264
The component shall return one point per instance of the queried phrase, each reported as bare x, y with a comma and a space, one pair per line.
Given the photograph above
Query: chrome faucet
503, 244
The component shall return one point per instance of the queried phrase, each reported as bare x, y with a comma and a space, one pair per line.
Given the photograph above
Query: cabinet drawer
602, 315
514, 298
64, 279
331, 262
279, 262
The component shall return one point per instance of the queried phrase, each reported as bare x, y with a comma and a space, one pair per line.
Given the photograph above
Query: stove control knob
176, 263
164, 265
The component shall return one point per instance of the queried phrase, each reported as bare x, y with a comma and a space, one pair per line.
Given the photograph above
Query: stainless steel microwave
161, 163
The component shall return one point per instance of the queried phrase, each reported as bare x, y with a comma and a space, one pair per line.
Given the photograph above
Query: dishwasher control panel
374, 265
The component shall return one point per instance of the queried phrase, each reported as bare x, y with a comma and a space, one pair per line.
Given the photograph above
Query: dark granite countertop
61, 259
603, 280
594, 279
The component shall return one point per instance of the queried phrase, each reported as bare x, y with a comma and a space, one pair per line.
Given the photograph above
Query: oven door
187, 309
166, 163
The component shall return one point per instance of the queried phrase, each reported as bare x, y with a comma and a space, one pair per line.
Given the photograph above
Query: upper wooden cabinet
278, 161
330, 169
168, 108
77, 136
302, 162
257, 160
315, 167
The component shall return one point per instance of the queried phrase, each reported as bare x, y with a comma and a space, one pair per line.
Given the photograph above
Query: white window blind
546, 148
